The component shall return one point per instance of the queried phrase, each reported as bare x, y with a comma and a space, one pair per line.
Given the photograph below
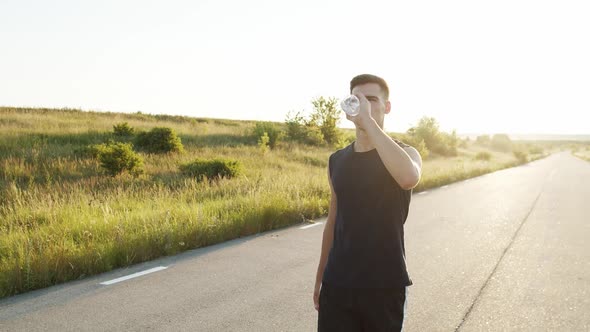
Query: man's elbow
410, 181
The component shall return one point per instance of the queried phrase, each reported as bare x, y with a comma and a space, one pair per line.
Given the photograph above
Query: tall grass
61, 219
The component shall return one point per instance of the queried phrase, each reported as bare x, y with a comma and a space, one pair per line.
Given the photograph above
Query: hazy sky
476, 66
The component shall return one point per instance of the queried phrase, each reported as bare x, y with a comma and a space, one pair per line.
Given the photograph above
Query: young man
362, 269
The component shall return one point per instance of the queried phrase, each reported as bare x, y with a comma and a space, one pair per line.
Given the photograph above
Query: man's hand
364, 118
316, 296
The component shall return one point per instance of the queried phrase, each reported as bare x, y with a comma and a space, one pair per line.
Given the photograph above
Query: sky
500, 66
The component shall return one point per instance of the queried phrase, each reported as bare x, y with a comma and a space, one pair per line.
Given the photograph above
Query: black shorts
346, 309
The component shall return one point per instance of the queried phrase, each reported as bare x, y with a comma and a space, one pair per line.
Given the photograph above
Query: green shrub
319, 128
274, 134
123, 129
159, 140
314, 135
426, 130
212, 169
501, 142
263, 142
296, 127
303, 130
486, 156
521, 156
421, 147
344, 140
90, 151
447, 144
326, 116
436, 141
415, 142
118, 157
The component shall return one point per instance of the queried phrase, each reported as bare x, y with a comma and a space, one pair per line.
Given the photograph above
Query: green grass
61, 219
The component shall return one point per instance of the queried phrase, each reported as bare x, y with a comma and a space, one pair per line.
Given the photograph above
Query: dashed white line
444, 186
134, 275
312, 225
422, 192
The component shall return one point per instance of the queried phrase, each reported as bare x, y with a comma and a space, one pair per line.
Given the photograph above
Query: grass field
61, 219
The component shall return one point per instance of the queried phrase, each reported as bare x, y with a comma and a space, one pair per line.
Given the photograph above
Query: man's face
379, 106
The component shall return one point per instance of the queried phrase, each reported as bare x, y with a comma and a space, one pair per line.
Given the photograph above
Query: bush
296, 127
486, 156
314, 136
320, 127
268, 128
263, 142
421, 147
326, 117
123, 129
521, 156
212, 169
447, 144
501, 142
304, 131
415, 142
159, 140
88, 151
118, 157
427, 131
344, 140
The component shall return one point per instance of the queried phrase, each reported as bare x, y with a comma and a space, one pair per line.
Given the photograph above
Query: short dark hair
368, 78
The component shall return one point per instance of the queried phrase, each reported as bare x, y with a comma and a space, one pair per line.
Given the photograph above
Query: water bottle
351, 105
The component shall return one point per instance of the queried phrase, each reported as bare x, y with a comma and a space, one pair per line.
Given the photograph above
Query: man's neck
362, 143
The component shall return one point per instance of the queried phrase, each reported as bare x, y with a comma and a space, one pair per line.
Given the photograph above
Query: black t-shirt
368, 248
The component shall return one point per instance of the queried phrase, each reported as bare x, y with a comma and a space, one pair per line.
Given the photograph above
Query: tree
321, 126
326, 117
436, 141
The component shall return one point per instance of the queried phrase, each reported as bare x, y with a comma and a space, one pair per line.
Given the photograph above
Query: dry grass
60, 219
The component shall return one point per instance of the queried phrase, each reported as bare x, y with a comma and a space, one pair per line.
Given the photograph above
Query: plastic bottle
351, 105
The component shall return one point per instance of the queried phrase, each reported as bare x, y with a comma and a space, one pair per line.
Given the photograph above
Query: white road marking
134, 275
312, 225
422, 193
444, 186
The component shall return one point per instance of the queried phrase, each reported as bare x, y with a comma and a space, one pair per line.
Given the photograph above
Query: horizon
260, 60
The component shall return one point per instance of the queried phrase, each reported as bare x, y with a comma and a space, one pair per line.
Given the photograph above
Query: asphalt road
508, 251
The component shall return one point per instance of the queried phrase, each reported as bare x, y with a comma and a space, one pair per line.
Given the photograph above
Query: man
362, 268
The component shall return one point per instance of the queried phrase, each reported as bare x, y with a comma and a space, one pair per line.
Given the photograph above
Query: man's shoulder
340, 153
